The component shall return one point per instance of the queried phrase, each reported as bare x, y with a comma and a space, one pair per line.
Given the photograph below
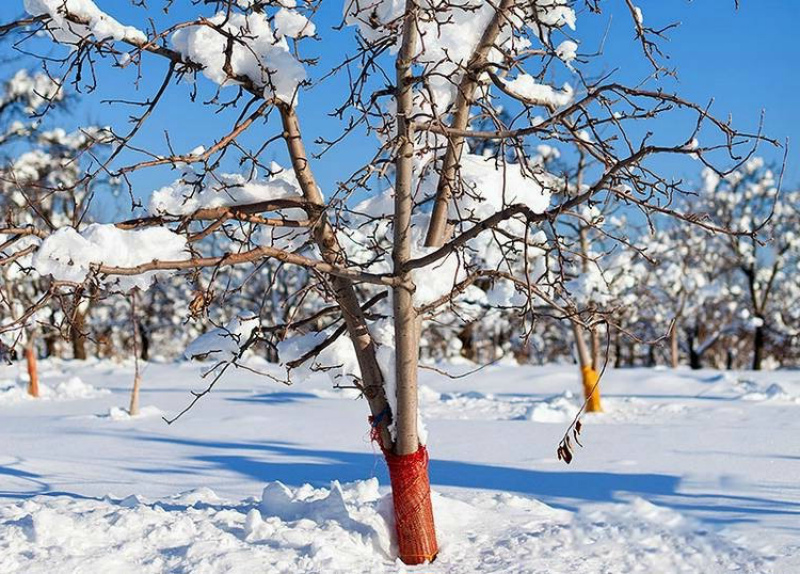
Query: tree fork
437, 229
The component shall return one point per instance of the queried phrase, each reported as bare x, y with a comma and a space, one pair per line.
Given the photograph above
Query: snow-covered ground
687, 471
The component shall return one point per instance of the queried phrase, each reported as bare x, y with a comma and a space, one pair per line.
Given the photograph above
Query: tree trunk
77, 336
589, 375
631, 362
33, 372
144, 340
758, 347
50, 345
694, 357
372, 381
651, 356
408, 464
674, 358
466, 337
414, 522
596, 347
133, 409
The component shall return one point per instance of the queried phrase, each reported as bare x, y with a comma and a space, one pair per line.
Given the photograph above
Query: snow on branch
70, 256
95, 22
191, 192
223, 344
228, 46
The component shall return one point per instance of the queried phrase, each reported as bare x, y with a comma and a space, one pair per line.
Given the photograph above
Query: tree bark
342, 287
674, 359
77, 336
133, 408
466, 337
437, 230
408, 465
595, 339
50, 345
405, 316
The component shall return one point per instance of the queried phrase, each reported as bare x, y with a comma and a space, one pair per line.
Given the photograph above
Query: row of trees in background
681, 297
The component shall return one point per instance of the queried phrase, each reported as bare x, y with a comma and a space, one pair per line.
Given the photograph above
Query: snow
121, 414
556, 13
681, 474
190, 193
567, 51
290, 23
526, 87
73, 388
338, 359
344, 529
99, 24
223, 343
257, 53
638, 15
495, 185
450, 32
437, 279
489, 186
34, 90
69, 256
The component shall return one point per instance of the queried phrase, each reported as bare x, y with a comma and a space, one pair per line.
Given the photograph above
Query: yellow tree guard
591, 390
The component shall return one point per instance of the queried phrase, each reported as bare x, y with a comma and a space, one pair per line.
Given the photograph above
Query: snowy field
687, 471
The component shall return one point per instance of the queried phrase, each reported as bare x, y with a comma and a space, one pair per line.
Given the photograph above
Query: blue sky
746, 60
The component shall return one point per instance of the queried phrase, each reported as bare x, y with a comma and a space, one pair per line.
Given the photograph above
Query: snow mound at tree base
347, 528
122, 414
12, 392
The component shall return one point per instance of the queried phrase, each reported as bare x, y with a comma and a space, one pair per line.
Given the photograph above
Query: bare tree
424, 75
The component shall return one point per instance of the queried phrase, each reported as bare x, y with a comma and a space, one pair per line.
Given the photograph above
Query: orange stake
33, 374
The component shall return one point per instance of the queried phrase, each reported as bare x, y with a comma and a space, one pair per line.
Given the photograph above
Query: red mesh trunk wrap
411, 493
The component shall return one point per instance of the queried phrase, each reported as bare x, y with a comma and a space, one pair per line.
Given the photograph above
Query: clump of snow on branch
257, 53
223, 344
437, 279
91, 21
192, 192
493, 185
338, 359
525, 86
489, 185
567, 51
71, 256
293, 24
